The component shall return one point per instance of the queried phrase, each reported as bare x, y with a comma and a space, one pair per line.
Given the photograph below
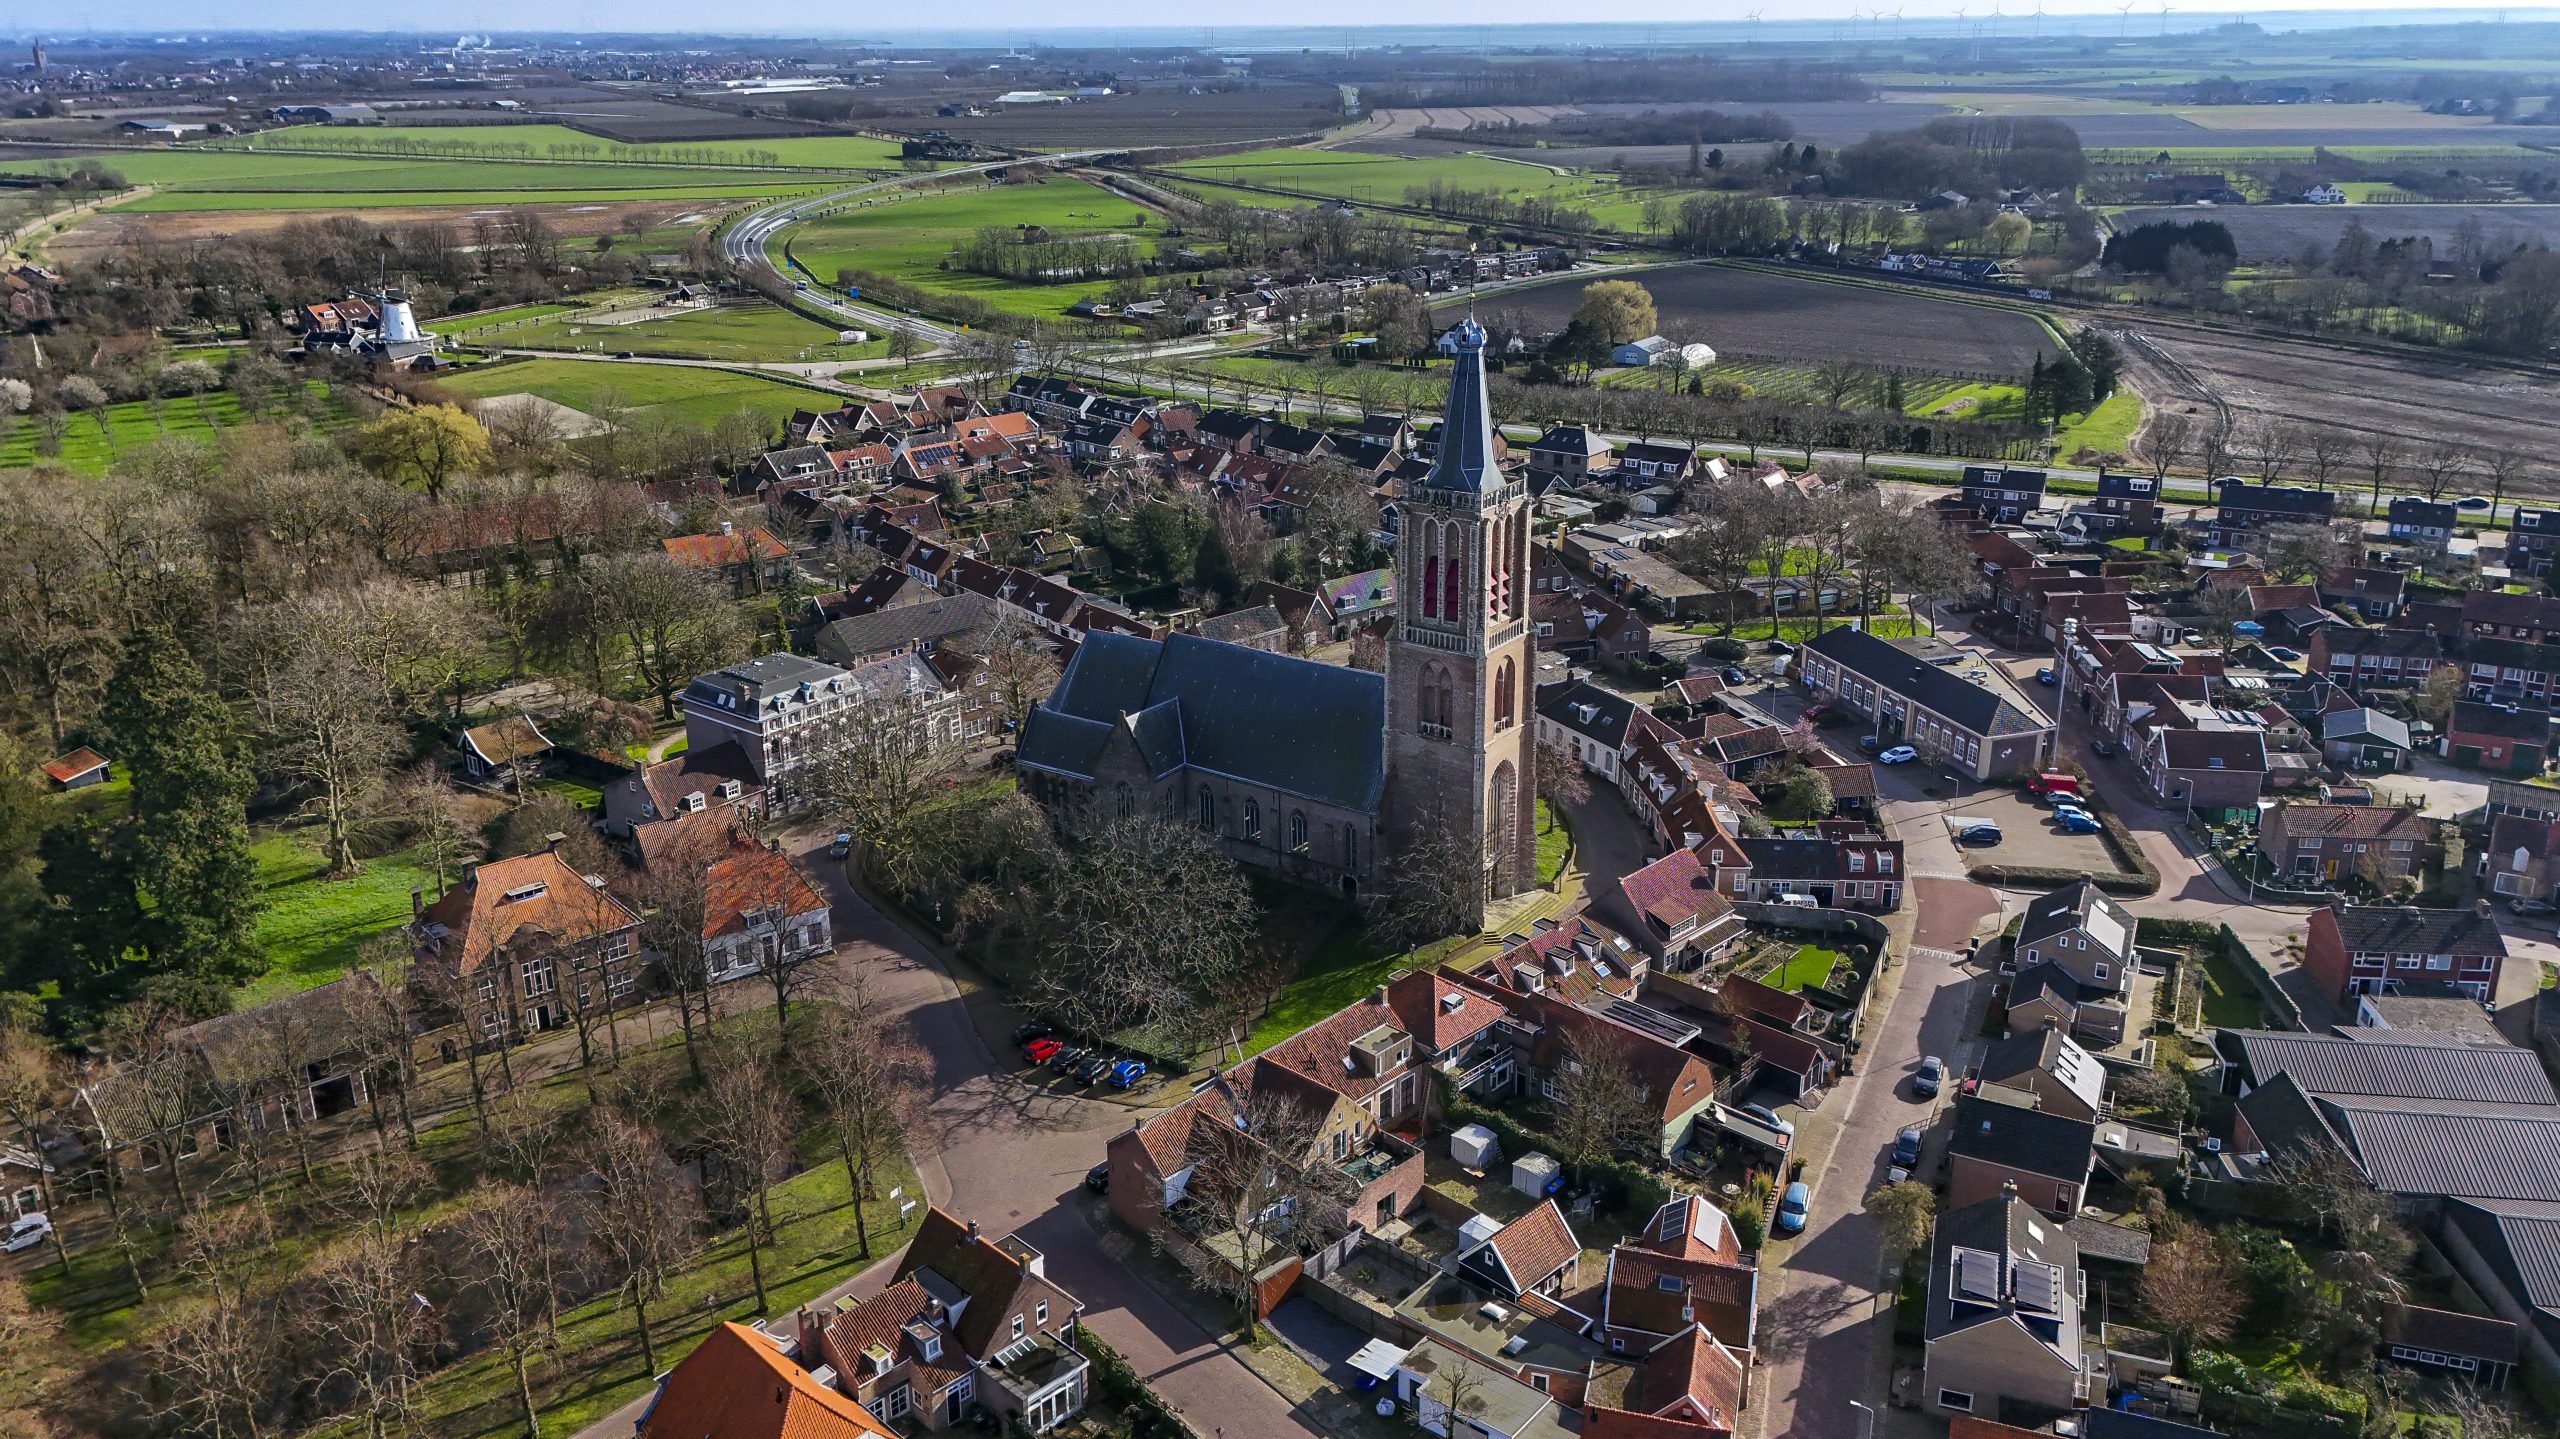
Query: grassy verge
1555, 841
1348, 964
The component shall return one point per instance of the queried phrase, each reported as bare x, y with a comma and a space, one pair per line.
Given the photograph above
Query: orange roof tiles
737, 1385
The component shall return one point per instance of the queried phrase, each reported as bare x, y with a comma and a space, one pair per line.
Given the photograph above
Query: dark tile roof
2022, 1139
1468, 458
2288, 501
2011, 1231
2497, 607
2450, 1331
2500, 721
2240, 750
2407, 929
2411, 510
2519, 1241
1590, 711
2509, 654
951, 617
1959, 699
2070, 908
1295, 725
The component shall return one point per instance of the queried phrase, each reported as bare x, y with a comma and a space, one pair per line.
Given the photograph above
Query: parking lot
2028, 835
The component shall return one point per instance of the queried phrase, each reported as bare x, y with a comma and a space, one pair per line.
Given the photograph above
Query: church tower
1459, 669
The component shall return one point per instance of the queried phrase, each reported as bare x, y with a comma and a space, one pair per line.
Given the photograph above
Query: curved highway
743, 243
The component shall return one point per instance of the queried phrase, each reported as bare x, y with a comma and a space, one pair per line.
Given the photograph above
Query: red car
1039, 1050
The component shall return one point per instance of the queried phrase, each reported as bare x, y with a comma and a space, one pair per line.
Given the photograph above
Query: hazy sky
834, 18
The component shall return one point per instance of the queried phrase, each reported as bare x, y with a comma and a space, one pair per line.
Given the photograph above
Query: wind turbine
2124, 14
2165, 7
2039, 21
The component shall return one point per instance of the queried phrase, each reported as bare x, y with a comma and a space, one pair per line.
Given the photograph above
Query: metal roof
2452, 1147
2386, 1067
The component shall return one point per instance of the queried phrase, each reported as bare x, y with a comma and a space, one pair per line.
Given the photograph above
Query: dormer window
929, 1346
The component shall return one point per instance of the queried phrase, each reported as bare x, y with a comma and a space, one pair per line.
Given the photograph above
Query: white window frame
1947, 1400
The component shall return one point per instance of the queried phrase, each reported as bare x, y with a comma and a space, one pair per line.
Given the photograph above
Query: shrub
1723, 650
1746, 1227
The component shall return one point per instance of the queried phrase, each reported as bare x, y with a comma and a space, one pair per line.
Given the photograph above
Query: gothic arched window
1457, 605
1502, 701
1298, 829
1252, 820
1430, 540
1128, 803
1208, 808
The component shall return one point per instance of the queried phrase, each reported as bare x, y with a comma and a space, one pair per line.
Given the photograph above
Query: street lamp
1866, 1419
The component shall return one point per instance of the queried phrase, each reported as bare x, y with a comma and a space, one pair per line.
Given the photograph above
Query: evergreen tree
94, 919
189, 820
1715, 159
1214, 569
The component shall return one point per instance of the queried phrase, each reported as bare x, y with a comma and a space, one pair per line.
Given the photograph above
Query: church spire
1465, 461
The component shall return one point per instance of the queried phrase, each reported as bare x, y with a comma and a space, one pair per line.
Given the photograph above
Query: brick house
1995, 1149
968, 1322
1673, 909
1950, 720
739, 1384
1591, 626
2206, 769
2511, 671
2003, 1329
529, 937
2331, 842
1685, 1267
2373, 593
2126, 505
2087, 934
1567, 454
2401, 949
2421, 521
2521, 860
760, 911
2533, 538
2357, 660
1536, 1253
1839, 864
2511, 739
2002, 494
2244, 509
2498, 615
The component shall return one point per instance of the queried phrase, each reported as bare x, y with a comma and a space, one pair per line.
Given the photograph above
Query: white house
760, 910
2324, 194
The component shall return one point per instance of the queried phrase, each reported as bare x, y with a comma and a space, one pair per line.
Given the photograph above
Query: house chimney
551, 842
2481, 908
973, 1229
727, 528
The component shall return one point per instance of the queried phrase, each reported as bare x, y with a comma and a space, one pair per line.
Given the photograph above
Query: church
1316, 772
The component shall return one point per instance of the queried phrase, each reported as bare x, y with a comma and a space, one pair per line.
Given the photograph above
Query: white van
1799, 901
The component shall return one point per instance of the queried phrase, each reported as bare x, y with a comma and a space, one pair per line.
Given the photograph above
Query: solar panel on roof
1977, 1276
2038, 1286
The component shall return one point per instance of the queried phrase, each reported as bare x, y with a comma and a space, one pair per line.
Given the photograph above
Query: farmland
2282, 231
908, 239
1348, 175
1158, 115
1757, 313
674, 392
737, 332
559, 142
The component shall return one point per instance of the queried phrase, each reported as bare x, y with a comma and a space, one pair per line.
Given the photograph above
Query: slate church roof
1295, 725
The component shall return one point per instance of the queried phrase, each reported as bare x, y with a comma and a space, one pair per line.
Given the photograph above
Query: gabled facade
2087, 934
2003, 1330
530, 936
2402, 949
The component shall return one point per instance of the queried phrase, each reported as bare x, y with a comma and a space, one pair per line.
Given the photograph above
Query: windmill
2039, 20
1754, 17
2124, 17
2165, 8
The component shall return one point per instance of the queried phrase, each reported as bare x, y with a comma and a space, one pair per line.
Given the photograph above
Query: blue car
1793, 1207
1127, 1072
2077, 823
2044, 676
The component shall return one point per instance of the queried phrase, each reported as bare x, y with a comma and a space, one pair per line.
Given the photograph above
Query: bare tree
1561, 780
1599, 1105
1143, 921
373, 1330
2190, 1288
424, 799
748, 1129
2382, 454
213, 1365
1432, 884
511, 1237
674, 898
2505, 467
644, 1217
1265, 1174
2305, 552
1021, 667
874, 777
2325, 450
158, 1090
2271, 445
2439, 468
2165, 441
868, 1074
326, 714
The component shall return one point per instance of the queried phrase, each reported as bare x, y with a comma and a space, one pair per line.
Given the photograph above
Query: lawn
1555, 841
1810, 964
680, 392
909, 238
1346, 965
2230, 1000
509, 315
91, 449
312, 925
2108, 427
727, 332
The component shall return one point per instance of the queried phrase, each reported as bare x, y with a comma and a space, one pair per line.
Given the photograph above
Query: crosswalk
1922, 954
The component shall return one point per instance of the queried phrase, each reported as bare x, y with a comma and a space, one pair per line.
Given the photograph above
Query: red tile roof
712, 551
73, 765
505, 896
737, 1385
1422, 1002
1692, 1375
752, 878
1536, 1245
1674, 890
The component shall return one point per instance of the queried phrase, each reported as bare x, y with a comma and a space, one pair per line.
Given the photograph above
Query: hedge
2113, 881
1116, 1380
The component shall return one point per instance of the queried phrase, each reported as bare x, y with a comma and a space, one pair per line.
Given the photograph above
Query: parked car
622, 354
1095, 1065
1899, 754
2044, 675
29, 1231
2531, 906
1981, 831
2472, 502
1769, 1117
1041, 1050
1794, 1207
1036, 1029
1098, 1178
1128, 1072
1781, 647
1736, 675
1065, 1060
1926, 1080
842, 846
2103, 748
2063, 809
1816, 713
1906, 1153
2193, 637
2286, 653
2078, 822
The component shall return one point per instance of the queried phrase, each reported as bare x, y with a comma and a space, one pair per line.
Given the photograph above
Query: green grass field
1352, 176
312, 925
2108, 427
736, 332
685, 393
90, 450
559, 142
510, 315
1555, 841
908, 239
